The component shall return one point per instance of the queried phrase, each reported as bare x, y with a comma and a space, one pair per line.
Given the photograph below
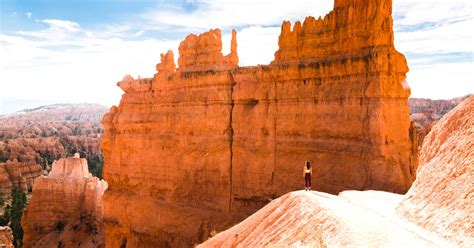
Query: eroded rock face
6, 237
442, 197
21, 175
65, 207
203, 52
205, 145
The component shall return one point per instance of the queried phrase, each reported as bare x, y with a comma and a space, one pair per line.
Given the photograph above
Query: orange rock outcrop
202, 146
21, 175
442, 197
6, 237
65, 209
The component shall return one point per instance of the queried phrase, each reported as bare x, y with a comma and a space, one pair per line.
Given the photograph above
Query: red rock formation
442, 197
210, 143
6, 237
5, 183
167, 64
21, 175
203, 52
65, 207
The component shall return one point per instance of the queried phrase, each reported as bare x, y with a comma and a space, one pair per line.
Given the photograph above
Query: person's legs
307, 181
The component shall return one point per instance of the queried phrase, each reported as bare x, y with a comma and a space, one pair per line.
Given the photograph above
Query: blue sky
75, 51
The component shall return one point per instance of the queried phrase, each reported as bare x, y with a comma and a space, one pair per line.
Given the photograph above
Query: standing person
307, 173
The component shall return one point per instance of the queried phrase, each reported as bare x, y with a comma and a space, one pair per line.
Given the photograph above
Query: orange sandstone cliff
65, 209
199, 147
442, 198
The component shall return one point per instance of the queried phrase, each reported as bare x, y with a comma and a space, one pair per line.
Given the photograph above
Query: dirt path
315, 219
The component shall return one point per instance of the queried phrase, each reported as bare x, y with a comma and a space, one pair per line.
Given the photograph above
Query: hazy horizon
27, 104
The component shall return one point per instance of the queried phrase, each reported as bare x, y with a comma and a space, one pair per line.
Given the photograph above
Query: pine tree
17, 207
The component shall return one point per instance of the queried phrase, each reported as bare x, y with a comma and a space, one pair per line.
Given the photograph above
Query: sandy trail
315, 219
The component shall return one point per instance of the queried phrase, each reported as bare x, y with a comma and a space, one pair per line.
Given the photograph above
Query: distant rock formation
6, 237
21, 175
65, 209
48, 133
442, 197
424, 112
202, 146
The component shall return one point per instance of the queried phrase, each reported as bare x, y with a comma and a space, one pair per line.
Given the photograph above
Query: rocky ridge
442, 197
316, 219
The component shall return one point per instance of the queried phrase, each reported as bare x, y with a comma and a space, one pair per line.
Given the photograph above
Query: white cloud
441, 81
449, 38
28, 14
437, 37
139, 33
232, 13
57, 30
68, 64
256, 45
412, 12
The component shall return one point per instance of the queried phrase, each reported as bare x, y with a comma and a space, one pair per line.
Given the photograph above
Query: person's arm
304, 171
311, 171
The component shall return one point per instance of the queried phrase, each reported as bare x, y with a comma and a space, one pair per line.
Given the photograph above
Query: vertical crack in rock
231, 137
275, 121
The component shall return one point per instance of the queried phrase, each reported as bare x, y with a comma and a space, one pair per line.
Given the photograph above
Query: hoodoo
65, 209
199, 147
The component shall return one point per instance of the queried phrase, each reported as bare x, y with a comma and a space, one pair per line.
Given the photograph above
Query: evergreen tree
16, 211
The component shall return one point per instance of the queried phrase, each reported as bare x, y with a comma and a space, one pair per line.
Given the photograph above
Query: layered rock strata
65, 208
204, 145
442, 197
21, 175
